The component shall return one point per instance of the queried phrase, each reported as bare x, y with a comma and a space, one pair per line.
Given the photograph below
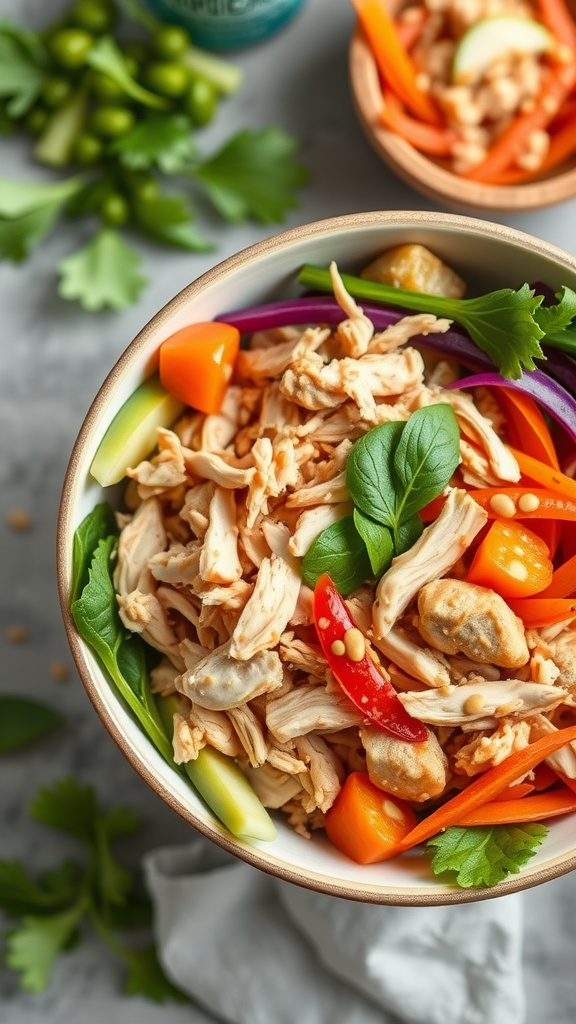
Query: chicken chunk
461, 618
307, 709
411, 771
434, 553
219, 561
268, 610
482, 701
142, 538
220, 682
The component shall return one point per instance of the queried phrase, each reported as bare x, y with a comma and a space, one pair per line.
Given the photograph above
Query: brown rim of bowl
73, 482
427, 175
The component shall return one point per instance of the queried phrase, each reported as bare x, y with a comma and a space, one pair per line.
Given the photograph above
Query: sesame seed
338, 648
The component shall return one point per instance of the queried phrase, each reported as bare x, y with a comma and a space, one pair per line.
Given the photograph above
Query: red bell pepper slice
366, 684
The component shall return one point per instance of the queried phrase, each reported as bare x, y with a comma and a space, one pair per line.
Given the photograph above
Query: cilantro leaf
28, 211
253, 175
485, 855
155, 141
33, 947
21, 895
67, 807
557, 321
501, 323
21, 80
168, 219
106, 56
146, 977
103, 273
23, 720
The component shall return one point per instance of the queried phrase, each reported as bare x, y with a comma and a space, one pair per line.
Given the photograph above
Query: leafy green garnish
392, 472
168, 219
28, 210
254, 175
105, 56
557, 321
158, 141
485, 855
100, 523
103, 273
122, 653
50, 910
21, 77
502, 323
23, 720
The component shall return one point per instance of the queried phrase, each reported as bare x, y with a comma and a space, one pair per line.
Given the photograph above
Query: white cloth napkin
252, 949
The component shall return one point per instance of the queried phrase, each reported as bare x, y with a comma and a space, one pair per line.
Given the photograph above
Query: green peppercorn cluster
86, 138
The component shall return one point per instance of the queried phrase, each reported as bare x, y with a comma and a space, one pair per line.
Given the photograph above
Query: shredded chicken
220, 682
481, 700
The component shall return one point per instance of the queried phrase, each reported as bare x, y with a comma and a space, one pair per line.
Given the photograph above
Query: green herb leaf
99, 523
103, 273
23, 720
501, 323
28, 211
407, 533
378, 540
427, 454
370, 474
340, 551
168, 219
21, 895
254, 175
106, 56
21, 80
156, 141
121, 653
557, 321
67, 807
485, 855
33, 947
146, 977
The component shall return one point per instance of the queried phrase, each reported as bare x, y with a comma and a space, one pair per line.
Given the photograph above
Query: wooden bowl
429, 175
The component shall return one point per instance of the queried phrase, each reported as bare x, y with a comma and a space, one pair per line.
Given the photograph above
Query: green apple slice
493, 38
132, 434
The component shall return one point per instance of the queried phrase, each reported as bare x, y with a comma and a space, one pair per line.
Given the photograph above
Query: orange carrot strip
537, 612
563, 582
571, 783
549, 477
512, 141
517, 792
562, 147
556, 16
425, 137
526, 425
365, 823
196, 363
486, 787
410, 29
392, 59
528, 808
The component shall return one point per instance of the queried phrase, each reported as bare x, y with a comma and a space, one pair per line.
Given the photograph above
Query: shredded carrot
510, 144
410, 29
563, 582
562, 147
516, 792
486, 787
528, 808
427, 138
537, 612
548, 476
393, 60
526, 425
556, 16
550, 504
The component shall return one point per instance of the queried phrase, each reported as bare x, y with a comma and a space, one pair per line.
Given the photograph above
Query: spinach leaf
23, 720
122, 653
426, 456
99, 523
378, 540
340, 551
370, 475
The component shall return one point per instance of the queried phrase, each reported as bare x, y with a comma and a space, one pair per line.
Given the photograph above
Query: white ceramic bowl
487, 256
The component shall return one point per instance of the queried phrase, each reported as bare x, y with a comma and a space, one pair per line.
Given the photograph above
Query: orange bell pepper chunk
196, 364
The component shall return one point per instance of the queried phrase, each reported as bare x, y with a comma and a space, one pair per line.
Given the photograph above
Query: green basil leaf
341, 552
425, 458
407, 534
22, 721
378, 540
370, 475
99, 523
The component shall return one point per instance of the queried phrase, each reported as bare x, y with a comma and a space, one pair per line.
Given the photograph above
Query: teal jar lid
227, 24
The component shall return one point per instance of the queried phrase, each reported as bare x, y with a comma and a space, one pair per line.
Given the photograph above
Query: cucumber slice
222, 784
495, 37
132, 434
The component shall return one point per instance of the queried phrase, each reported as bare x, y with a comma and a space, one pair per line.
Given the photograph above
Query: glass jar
227, 24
